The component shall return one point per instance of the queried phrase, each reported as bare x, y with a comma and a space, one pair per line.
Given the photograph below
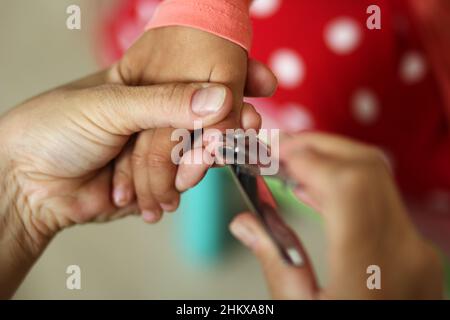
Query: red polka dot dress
336, 75
378, 86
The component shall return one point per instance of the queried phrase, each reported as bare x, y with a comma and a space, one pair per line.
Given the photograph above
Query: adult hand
180, 54
57, 152
366, 224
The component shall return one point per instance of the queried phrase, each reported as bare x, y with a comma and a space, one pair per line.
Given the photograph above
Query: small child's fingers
193, 166
261, 82
150, 210
149, 207
123, 185
162, 169
250, 118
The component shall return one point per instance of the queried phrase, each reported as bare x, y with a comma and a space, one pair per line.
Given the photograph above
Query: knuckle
138, 160
378, 160
156, 160
164, 193
144, 196
123, 173
357, 176
375, 154
352, 178
109, 93
101, 101
144, 199
126, 66
150, 160
174, 98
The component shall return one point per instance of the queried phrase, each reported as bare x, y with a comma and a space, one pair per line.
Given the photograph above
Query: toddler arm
229, 19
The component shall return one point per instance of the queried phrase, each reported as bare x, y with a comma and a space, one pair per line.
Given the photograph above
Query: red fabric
228, 19
387, 88
434, 24
412, 121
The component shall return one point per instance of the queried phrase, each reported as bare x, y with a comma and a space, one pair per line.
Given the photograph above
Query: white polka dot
343, 35
264, 8
289, 68
365, 107
295, 118
413, 67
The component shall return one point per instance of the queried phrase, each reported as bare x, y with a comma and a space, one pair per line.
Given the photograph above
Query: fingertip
151, 216
261, 81
171, 206
192, 168
121, 196
250, 118
249, 230
241, 230
284, 281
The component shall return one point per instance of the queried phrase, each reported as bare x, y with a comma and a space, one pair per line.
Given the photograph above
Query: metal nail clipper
259, 198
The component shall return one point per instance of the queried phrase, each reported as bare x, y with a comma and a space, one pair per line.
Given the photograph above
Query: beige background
125, 259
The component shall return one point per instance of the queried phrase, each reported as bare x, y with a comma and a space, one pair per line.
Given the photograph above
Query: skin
56, 159
58, 151
366, 223
189, 55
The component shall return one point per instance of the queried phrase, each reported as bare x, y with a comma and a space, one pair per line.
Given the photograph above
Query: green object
287, 201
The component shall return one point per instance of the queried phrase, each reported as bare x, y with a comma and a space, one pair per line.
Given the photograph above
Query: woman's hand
180, 54
56, 153
366, 224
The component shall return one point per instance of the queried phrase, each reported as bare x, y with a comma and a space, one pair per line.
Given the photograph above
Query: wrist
20, 243
227, 19
16, 214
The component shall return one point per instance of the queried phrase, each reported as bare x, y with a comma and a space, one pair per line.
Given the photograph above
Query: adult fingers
284, 281
332, 145
125, 110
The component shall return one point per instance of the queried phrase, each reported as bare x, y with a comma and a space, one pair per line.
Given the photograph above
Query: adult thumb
284, 281
124, 110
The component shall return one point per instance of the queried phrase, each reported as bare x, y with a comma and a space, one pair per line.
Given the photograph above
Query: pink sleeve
229, 19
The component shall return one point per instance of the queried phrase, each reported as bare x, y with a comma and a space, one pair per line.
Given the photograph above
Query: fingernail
244, 234
169, 207
208, 100
150, 216
120, 196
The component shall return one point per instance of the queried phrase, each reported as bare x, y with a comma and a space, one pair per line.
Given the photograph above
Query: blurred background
126, 259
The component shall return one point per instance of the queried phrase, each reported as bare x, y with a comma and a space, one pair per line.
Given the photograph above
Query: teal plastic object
206, 211
204, 215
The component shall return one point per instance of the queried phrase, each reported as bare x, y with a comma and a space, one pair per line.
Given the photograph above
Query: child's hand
180, 54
